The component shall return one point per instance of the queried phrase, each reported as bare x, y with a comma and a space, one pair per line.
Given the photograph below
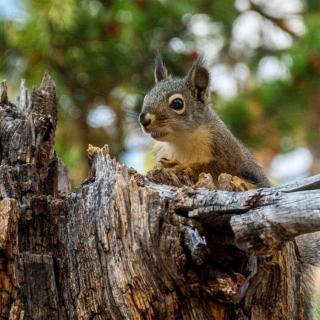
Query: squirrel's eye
177, 104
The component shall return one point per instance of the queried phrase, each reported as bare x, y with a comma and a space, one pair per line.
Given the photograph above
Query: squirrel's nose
145, 119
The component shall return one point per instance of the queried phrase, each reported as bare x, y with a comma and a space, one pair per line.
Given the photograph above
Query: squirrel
189, 134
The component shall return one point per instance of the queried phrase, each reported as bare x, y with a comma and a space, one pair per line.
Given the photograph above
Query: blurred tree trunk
121, 247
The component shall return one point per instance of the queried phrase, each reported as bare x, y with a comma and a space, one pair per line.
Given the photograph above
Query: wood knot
253, 200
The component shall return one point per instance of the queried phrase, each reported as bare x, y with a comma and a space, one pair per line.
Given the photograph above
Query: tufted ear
160, 71
198, 80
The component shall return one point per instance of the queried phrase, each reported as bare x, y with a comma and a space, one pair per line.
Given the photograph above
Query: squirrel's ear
160, 71
198, 80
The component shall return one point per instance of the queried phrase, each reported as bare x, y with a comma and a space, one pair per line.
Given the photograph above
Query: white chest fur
187, 148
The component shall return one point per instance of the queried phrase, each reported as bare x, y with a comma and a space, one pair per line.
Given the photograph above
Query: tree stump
123, 247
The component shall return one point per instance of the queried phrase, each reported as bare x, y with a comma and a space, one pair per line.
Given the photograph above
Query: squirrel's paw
176, 167
184, 174
177, 176
166, 163
164, 176
205, 181
182, 171
233, 183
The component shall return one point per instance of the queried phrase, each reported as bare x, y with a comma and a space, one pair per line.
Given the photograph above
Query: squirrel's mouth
158, 134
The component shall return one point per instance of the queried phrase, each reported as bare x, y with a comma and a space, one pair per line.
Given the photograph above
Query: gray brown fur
228, 154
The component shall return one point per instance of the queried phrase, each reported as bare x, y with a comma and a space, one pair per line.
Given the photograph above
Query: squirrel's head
175, 105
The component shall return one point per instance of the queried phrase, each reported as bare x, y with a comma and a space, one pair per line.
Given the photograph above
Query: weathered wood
23, 101
261, 220
8, 255
122, 247
310, 183
26, 158
3, 92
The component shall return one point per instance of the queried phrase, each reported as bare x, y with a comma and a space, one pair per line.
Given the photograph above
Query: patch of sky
12, 9
101, 116
291, 165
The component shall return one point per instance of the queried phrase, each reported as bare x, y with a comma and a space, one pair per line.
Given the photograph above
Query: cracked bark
122, 247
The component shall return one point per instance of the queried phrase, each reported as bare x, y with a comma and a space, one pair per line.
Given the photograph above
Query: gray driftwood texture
121, 247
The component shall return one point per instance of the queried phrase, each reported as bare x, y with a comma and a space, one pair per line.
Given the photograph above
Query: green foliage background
101, 52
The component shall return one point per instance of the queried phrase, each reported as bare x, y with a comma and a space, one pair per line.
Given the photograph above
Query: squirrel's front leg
197, 174
180, 170
172, 172
225, 181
